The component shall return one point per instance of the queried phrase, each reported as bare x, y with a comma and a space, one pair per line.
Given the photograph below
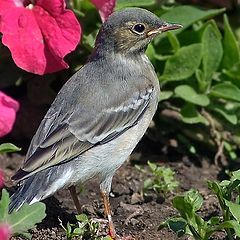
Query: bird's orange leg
74, 196
107, 210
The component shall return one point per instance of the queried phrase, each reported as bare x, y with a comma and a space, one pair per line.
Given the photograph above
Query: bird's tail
24, 194
30, 190
37, 187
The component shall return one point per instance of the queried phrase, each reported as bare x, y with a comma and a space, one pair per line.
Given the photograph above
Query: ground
134, 216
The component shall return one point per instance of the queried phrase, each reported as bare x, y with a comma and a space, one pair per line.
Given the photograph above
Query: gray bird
98, 116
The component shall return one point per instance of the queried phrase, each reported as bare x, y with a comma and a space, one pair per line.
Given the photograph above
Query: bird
98, 116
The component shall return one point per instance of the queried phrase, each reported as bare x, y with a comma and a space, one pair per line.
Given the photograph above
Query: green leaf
226, 91
189, 94
231, 54
234, 72
183, 207
8, 147
190, 115
188, 203
202, 84
234, 209
153, 55
133, 3
26, 217
173, 41
183, 63
236, 175
214, 221
164, 95
194, 198
216, 188
230, 224
187, 15
227, 114
4, 202
152, 166
212, 51
82, 218
177, 225
150, 52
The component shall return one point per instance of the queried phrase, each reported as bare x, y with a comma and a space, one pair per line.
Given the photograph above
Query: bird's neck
106, 52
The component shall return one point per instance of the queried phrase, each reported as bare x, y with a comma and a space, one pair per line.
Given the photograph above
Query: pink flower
39, 34
5, 231
1, 180
8, 109
105, 7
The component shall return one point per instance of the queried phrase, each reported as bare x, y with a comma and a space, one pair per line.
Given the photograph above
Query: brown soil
133, 216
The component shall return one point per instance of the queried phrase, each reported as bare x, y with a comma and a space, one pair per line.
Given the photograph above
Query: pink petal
8, 109
62, 33
37, 38
5, 231
105, 7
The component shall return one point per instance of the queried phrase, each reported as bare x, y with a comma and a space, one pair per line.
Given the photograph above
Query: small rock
88, 209
134, 221
136, 198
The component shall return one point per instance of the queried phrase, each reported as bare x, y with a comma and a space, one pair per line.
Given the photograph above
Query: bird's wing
66, 133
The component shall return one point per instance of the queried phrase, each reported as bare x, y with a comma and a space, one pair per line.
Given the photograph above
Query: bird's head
130, 30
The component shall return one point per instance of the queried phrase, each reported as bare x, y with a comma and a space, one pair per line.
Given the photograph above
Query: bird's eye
139, 28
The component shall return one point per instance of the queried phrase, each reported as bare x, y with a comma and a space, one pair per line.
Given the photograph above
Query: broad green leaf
190, 115
153, 55
227, 114
150, 52
26, 217
189, 94
216, 188
236, 174
133, 3
230, 224
173, 41
187, 204
164, 95
184, 208
177, 225
8, 147
224, 183
183, 63
226, 91
214, 221
234, 72
193, 196
233, 185
82, 218
212, 51
187, 15
234, 209
231, 54
4, 202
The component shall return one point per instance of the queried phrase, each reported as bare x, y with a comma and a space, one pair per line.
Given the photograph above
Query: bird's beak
165, 27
